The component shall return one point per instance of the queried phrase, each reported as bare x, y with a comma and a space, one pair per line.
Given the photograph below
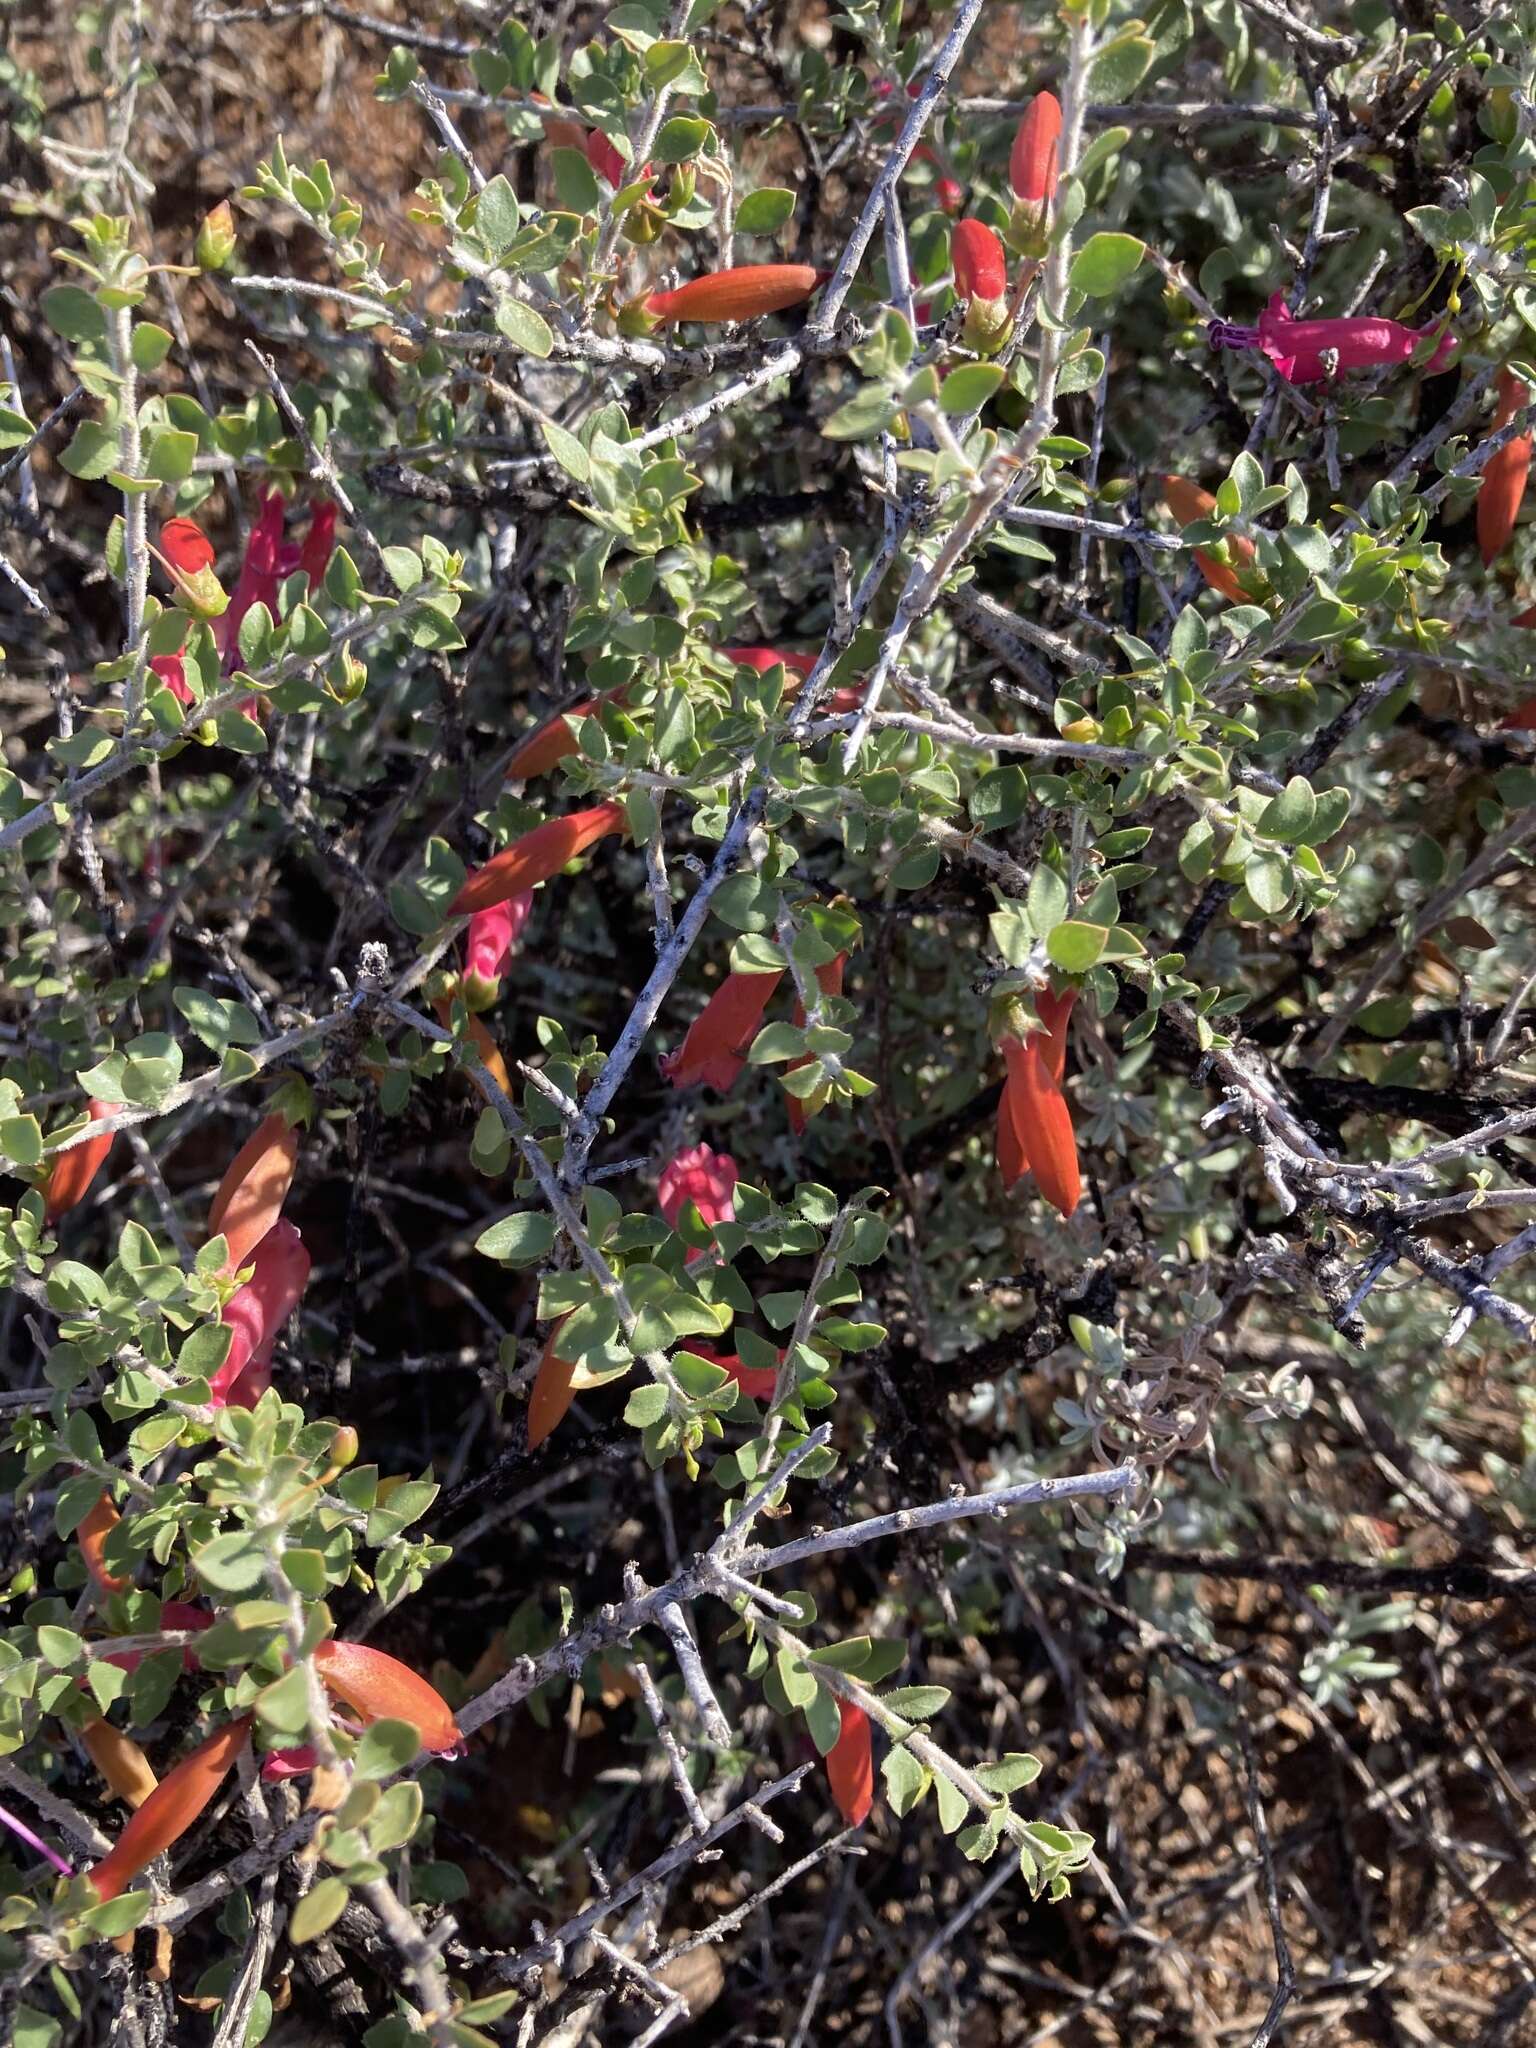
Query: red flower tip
185, 546
1189, 503
380, 1688
255, 1185
739, 294
319, 543
71, 1174
1032, 162
1034, 1122
488, 946
1504, 474
170, 1809
255, 1313
980, 263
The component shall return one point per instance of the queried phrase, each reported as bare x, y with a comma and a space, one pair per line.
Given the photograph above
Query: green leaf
1291, 814
91, 453
1010, 1773
1267, 878
523, 327
233, 1563
968, 388
171, 455
575, 181
646, 1405
73, 313
567, 451
681, 138
150, 345
953, 1804
520, 1240
1104, 263
386, 1747
498, 216
917, 1702
905, 1779
284, 1705
1047, 900
1075, 946
765, 211
1120, 67
319, 1909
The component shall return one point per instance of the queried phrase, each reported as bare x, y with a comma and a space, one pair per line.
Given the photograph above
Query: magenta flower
20, 1829
255, 1313
1297, 347
707, 1179
488, 946
260, 575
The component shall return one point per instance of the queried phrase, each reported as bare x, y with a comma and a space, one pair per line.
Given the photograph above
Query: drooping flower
705, 1178
319, 543
552, 1393
1505, 472
480, 1037
71, 1174
743, 293
255, 1313
715, 1049
250, 1197
488, 946
765, 658
981, 279
1034, 1122
378, 1687
829, 979
553, 742
92, 1534
536, 856
120, 1761
1189, 503
260, 575
1308, 351
171, 1808
850, 1765
1033, 165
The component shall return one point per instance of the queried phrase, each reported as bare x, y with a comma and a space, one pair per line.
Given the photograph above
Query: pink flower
256, 1312
1297, 347
288, 1763
180, 1615
707, 1179
488, 946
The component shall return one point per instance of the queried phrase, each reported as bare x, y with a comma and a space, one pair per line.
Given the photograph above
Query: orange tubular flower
381, 1688
91, 1535
185, 546
1033, 161
740, 294
552, 1394
757, 1382
829, 980
1504, 473
171, 1808
1188, 502
715, 1050
485, 1045
536, 856
980, 263
850, 1765
553, 742
120, 1761
1034, 1123
254, 1188
71, 1174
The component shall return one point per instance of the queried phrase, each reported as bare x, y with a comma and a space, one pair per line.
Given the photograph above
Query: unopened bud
344, 1446
987, 327
216, 238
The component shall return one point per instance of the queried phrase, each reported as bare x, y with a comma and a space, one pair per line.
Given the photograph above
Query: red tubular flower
1032, 162
552, 1393
553, 742
488, 946
536, 856
829, 979
765, 658
255, 1186
260, 574
1189, 503
980, 262
949, 193
850, 1765
120, 1761
71, 1174
319, 543
484, 1044
1034, 1126
757, 1382
1523, 717
707, 1179
91, 1535
171, 1808
1504, 474
289, 1763
381, 1688
1297, 347
715, 1050
185, 546
255, 1313
740, 294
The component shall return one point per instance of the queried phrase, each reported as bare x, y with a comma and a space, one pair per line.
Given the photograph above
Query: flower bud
216, 239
